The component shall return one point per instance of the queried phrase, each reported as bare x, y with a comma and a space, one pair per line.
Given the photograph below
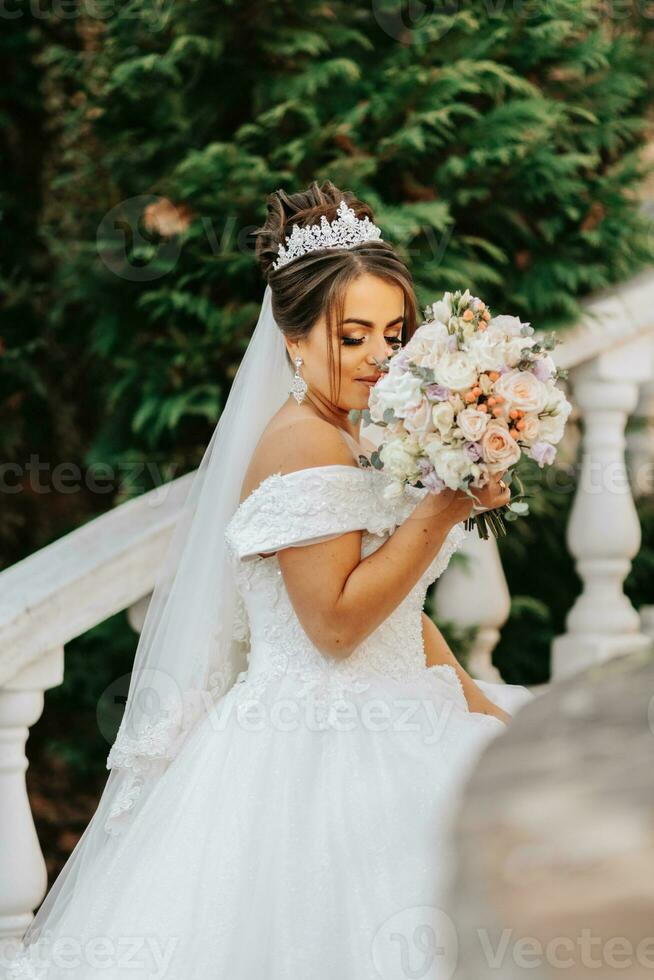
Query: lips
372, 380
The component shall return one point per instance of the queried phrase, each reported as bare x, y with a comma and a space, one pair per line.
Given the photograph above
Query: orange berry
497, 411
492, 401
514, 413
476, 391
521, 424
469, 397
493, 375
500, 399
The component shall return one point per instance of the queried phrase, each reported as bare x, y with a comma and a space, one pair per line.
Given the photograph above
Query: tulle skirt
286, 841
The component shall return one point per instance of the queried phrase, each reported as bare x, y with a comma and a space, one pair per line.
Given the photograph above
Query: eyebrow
367, 323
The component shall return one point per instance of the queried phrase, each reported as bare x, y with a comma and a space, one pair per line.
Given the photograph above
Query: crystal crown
345, 231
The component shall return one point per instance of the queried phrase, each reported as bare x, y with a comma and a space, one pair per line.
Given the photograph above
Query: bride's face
372, 329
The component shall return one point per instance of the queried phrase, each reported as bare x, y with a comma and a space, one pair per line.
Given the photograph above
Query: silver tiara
345, 231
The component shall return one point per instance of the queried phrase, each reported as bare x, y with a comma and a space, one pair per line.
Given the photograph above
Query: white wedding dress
308, 810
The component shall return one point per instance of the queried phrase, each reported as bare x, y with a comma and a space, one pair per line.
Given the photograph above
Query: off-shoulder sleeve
305, 507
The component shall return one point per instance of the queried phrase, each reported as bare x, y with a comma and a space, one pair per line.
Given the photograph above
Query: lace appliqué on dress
299, 508
147, 752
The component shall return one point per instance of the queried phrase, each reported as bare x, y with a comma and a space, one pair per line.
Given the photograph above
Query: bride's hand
495, 494
451, 506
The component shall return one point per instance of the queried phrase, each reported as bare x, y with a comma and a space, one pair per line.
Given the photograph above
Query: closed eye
392, 341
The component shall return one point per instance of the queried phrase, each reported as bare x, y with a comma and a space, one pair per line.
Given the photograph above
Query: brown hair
315, 283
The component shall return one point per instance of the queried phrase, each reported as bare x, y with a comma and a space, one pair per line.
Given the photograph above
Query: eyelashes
355, 341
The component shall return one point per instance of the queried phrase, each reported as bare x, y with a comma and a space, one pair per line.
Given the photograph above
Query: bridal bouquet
466, 398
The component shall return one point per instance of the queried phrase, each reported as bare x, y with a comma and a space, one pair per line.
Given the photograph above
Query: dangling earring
299, 386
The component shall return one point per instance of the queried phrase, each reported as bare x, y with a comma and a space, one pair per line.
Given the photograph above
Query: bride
296, 730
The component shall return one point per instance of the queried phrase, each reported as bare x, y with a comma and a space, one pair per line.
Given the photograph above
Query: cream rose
456, 370
472, 423
443, 417
399, 460
499, 448
522, 390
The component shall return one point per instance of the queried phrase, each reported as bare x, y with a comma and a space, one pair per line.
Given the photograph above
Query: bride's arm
339, 597
438, 652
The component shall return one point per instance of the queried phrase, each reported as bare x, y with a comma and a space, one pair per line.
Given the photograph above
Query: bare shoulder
295, 443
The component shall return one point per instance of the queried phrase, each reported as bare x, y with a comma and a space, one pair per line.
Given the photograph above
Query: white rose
552, 423
399, 460
551, 428
427, 353
556, 401
508, 325
443, 417
472, 423
419, 419
432, 333
499, 448
393, 490
431, 444
456, 370
488, 351
399, 391
522, 390
451, 466
514, 349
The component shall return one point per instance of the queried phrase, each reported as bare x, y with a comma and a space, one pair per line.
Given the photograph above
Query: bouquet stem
488, 522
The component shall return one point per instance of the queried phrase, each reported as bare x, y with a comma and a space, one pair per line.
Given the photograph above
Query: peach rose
523, 390
499, 448
531, 428
472, 423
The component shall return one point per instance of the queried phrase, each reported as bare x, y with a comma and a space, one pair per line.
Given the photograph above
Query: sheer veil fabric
188, 654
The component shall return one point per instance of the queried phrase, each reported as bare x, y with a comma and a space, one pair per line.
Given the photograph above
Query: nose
380, 351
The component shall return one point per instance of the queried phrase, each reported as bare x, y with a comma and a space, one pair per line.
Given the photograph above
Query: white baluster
23, 878
475, 593
604, 533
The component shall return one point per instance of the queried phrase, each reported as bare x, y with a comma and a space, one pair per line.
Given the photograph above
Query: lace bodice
304, 507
